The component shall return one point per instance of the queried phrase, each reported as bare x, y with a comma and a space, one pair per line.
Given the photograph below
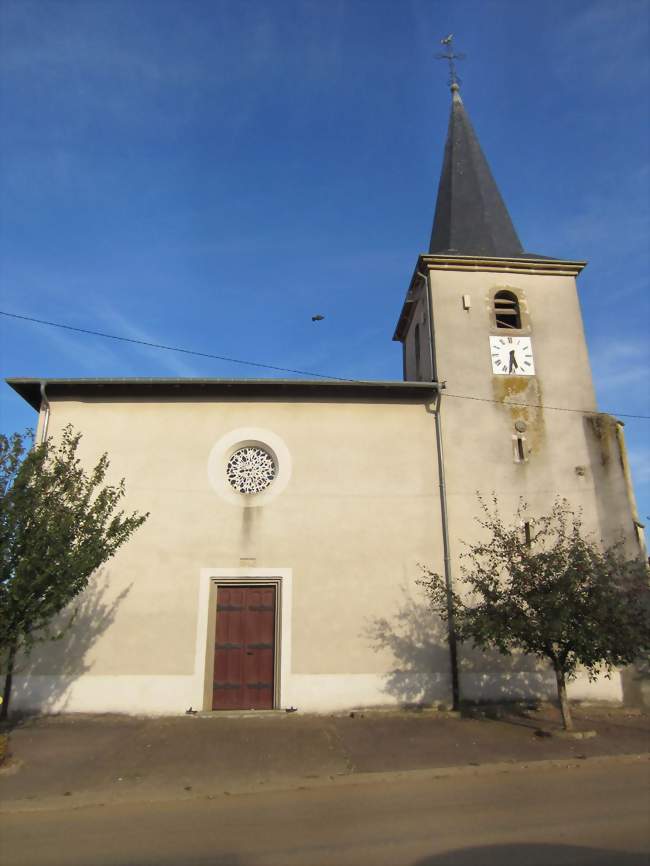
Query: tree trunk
11, 659
564, 702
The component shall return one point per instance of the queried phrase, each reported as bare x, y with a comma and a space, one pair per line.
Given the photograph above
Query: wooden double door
244, 648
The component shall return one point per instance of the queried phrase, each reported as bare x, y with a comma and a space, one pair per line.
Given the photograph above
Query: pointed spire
471, 218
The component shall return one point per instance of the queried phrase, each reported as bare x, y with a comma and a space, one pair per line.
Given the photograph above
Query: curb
297, 783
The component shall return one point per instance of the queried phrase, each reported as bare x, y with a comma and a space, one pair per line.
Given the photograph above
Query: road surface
539, 816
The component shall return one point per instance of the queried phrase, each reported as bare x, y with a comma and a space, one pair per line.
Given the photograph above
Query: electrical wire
552, 408
171, 348
276, 368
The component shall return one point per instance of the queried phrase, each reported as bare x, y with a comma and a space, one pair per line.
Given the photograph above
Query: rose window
250, 469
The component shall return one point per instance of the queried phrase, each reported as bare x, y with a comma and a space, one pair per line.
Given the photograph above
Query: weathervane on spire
449, 55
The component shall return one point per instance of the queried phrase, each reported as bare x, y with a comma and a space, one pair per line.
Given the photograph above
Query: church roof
30, 389
471, 218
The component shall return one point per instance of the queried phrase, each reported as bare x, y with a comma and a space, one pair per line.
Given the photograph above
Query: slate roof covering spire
471, 218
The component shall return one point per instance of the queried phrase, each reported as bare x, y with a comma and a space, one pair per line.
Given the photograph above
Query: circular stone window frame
246, 437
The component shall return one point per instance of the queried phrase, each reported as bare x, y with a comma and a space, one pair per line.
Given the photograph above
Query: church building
290, 519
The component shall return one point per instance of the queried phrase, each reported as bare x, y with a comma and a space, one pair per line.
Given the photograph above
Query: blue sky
210, 174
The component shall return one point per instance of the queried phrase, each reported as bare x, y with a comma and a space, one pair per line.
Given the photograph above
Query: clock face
512, 356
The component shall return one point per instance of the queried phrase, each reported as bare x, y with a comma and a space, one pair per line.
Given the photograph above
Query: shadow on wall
417, 641
43, 679
635, 680
486, 675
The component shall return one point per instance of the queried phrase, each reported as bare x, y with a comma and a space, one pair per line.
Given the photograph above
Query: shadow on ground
534, 855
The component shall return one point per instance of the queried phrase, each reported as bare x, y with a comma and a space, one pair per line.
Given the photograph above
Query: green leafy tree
552, 592
58, 523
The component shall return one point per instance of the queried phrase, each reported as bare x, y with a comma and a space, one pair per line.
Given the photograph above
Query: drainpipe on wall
449, 585
46, 418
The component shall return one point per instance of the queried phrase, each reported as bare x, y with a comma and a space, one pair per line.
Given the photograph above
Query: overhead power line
552, 408
278, 369
172, 348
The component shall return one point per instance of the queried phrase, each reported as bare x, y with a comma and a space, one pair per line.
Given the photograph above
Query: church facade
289, 520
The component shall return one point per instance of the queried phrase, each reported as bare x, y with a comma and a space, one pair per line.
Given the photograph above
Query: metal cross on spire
450, 56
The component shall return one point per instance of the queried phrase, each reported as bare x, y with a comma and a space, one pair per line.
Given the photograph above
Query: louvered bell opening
506, 311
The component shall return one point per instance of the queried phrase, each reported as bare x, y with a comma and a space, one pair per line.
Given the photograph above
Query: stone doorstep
441, 711
240, 714
429, 712
355, 712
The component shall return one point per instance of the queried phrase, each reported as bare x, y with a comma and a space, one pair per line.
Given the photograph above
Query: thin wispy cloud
85, 354
602, 219
612, 52
116, 323
94, 44
621, 370
640, 464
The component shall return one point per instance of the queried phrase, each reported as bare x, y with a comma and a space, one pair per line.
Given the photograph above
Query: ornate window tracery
250, 469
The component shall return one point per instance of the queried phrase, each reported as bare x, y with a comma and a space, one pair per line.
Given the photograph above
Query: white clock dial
512, 356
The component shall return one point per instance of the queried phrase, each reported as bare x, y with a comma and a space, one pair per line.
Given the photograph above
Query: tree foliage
552, 592
58, 523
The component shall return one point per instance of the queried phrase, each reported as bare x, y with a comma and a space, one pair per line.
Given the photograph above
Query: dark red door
244, 647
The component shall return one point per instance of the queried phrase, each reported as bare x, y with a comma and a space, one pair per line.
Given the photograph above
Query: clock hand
513, 361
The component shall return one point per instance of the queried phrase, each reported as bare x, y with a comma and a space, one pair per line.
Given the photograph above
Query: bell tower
501, 330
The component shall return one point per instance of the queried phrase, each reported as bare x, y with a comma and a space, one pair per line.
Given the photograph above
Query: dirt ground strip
116, 757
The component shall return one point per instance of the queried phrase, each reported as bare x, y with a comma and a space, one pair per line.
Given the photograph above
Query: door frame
210, 581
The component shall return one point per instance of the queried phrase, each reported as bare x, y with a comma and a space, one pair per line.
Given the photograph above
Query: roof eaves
30, 389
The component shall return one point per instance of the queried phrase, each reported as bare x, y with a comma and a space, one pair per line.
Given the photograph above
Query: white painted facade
343, 541
352, 514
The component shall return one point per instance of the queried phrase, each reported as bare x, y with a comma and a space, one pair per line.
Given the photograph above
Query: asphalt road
550, 816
